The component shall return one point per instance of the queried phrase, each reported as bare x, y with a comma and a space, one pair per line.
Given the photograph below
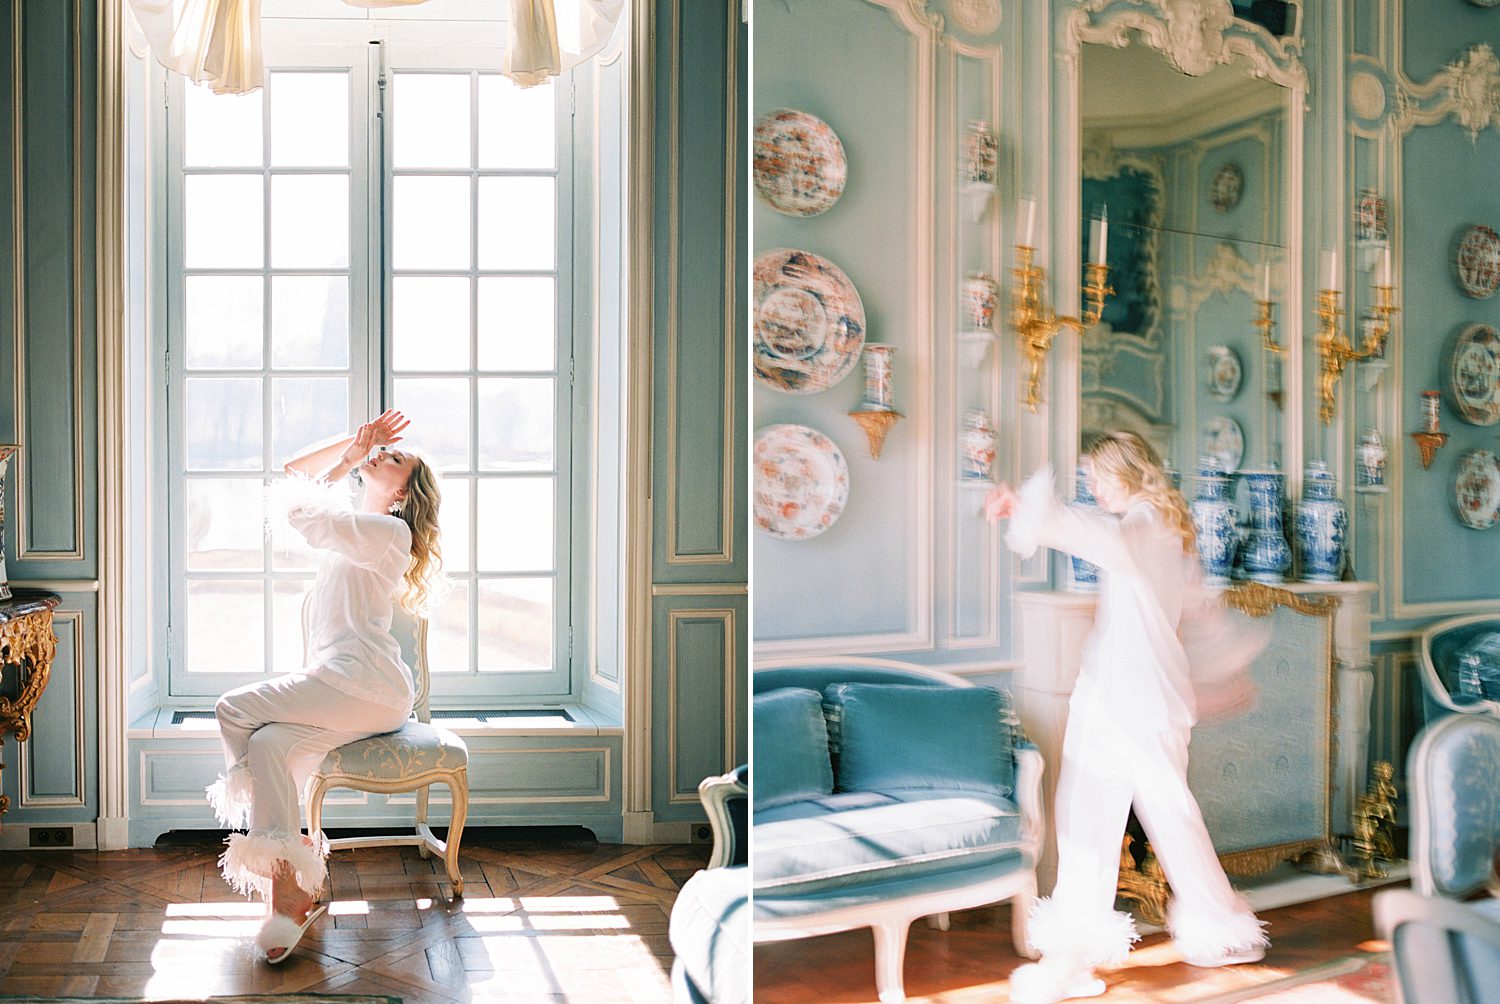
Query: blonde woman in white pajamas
1129, 721
354, 684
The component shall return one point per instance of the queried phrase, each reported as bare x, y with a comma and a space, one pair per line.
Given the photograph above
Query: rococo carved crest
1474, 89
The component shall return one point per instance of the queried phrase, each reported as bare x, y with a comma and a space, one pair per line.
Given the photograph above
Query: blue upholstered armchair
886, 792
1460, 667
710, 927
1448, 949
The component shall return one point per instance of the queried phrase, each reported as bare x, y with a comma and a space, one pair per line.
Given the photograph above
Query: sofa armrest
725, 799
1029, 798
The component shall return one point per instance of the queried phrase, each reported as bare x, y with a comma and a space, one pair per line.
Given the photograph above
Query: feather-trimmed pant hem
1205, 933
230, 797
250, 859
1101, 938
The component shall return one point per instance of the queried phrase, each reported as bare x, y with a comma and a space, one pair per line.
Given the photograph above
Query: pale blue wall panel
864, 87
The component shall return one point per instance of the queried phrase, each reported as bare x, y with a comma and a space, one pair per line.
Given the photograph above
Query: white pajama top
1134, 671
349, 642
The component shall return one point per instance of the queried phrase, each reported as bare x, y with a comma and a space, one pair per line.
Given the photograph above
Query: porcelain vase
1267, 556
1085, 576
1322, 526
1213, 519
976, 446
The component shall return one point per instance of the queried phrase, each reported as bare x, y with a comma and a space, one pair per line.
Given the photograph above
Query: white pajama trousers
275, 734
1104, 769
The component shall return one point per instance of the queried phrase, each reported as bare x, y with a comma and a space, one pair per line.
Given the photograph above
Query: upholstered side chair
413, 758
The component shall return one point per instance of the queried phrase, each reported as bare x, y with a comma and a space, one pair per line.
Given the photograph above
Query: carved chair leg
890, 959
423, 795
1020, 915
458, 787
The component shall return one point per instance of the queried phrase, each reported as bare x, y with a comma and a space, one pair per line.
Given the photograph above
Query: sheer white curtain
218, 41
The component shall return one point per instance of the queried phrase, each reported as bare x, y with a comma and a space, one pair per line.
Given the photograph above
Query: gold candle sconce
1335, 351
1036, 324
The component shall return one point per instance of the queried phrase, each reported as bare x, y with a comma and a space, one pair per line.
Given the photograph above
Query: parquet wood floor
970, 962
546, 916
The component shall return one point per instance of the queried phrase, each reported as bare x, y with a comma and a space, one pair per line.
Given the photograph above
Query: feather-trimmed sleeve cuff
1036, 501
297, 497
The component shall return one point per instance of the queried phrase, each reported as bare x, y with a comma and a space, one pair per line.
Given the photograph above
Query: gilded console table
27, 646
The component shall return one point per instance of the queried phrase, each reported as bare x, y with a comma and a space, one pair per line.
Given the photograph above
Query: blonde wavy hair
422, 583
1131, 461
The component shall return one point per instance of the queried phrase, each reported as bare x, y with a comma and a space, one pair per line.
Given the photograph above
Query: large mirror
1192, 171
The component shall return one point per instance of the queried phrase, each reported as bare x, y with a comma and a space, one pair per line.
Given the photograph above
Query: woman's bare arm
331, 459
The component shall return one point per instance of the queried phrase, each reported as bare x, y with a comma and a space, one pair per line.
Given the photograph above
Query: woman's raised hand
1000, 503
386, 429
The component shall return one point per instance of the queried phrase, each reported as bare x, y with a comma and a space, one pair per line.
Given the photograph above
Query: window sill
158, 724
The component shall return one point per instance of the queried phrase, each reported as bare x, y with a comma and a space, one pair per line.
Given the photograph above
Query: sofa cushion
710, 934
791, 748
892, 736
854, 837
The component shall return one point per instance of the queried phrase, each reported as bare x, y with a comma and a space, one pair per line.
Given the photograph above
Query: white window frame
567, 678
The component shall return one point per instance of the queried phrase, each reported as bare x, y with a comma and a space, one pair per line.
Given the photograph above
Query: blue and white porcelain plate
1474, 375
1224, 440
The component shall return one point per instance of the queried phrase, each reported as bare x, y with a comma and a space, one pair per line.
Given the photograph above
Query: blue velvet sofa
1446, 949
1443, 650
885, 792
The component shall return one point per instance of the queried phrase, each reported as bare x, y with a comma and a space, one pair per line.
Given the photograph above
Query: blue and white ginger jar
1267, 556
1085, 576
1322, 526
1213, 519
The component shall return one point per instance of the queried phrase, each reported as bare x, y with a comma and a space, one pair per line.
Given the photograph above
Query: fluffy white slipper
1048, 982
284, 933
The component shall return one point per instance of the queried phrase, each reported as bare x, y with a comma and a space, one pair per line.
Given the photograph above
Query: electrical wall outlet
702, 833
52, 836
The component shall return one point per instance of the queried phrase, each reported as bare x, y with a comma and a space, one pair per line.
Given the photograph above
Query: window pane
225, 626
517, 221
225, 524
430, 322
516, 424
286, 625
305, 410
310, 221
517, 125
439, 413
517, 323
431, 120
221, 130
453, 518
310, 119
222, 423
309, 321
515, 525
222, 221
515, 624
431, 228
223, 322
448, 633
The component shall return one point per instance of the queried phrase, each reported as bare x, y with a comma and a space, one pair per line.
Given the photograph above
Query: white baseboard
640, 828
673, 833
113, 833
17, 836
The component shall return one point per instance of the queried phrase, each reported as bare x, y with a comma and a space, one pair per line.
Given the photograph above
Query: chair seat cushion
414, 748
710, 933
862, 836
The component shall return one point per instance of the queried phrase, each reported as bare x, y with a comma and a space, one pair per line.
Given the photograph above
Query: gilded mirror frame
1194, 37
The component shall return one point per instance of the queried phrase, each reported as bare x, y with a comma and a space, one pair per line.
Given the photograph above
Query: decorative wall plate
1476, 261
800, 167
1224, 373
809, 322
801, 481
1225, 189
1474, 375
1485, 3
1225, 441
1476, 489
